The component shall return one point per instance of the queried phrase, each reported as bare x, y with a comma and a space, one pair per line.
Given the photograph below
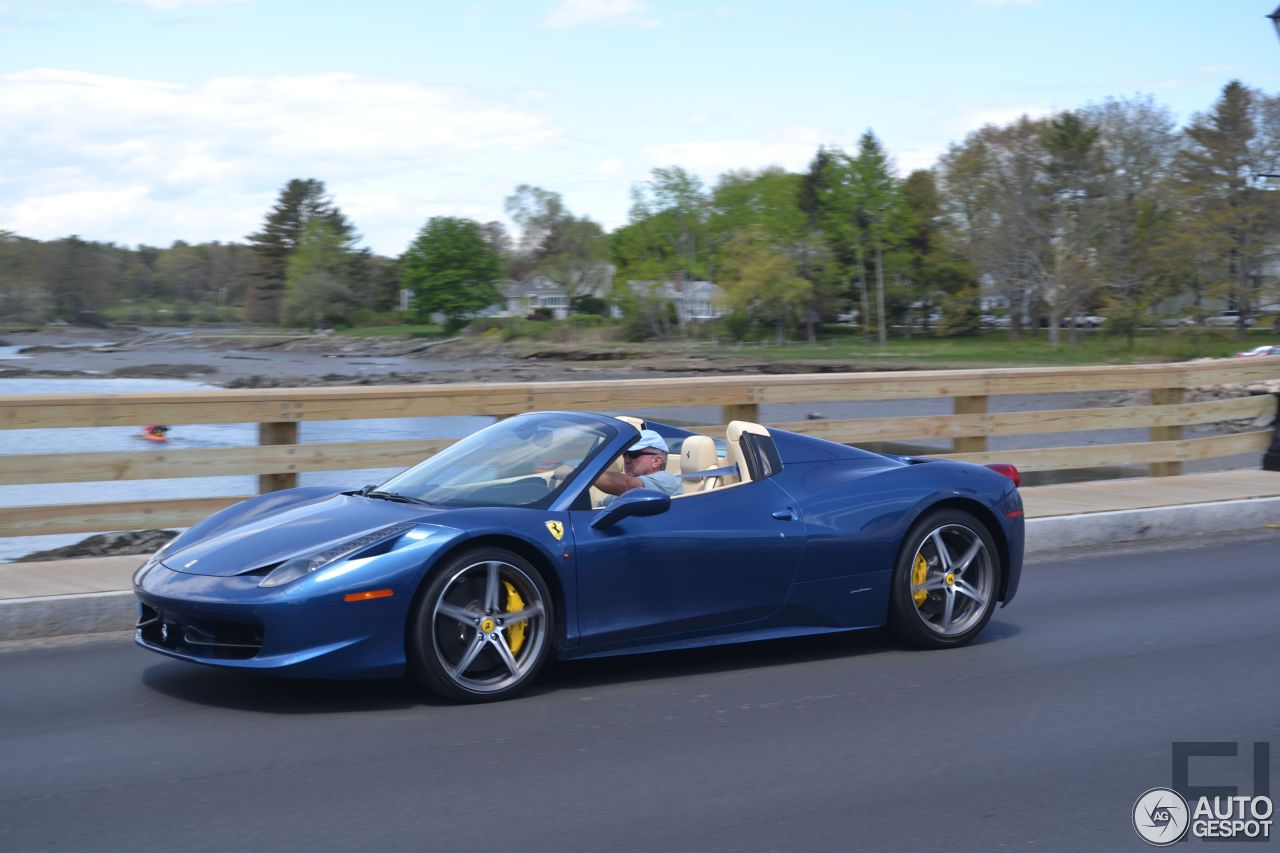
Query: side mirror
635, 502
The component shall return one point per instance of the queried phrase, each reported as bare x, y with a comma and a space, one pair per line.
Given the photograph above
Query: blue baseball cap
649, 438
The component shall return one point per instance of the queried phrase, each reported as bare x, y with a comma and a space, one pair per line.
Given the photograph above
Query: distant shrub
589, 305
372, 317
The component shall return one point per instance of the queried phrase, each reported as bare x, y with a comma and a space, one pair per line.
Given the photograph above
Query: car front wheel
480, 629
945, 582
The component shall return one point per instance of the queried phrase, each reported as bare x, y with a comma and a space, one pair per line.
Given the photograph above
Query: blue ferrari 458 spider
468, 571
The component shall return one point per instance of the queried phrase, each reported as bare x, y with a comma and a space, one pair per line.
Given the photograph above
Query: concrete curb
59, 615
89, 613
1136, 525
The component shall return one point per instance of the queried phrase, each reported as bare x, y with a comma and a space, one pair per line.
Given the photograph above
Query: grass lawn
423, 330
993, 348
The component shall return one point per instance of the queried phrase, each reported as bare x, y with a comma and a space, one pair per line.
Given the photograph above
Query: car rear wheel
945, 582
480, 629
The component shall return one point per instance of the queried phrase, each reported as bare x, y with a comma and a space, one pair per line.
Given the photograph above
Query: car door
711, 561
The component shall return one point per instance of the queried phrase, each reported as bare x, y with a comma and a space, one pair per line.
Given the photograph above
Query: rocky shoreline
106, 545
318, 360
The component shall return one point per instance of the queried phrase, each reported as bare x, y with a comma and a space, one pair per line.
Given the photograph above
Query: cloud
126, 159
911, 159
790, 148
178, 5
1221, 68
615, 13
999, 116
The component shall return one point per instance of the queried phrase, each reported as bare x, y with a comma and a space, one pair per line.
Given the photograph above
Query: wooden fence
279, 458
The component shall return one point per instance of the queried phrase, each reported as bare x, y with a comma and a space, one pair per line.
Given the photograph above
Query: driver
644, 466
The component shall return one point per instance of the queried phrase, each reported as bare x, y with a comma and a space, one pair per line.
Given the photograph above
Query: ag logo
1160, 817
557, 529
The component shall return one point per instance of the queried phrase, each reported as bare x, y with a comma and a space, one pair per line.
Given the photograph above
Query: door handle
787, 514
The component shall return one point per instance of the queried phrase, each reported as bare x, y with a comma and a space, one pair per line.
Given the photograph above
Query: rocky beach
232, 359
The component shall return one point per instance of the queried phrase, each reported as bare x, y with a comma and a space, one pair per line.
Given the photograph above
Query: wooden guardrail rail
278, 458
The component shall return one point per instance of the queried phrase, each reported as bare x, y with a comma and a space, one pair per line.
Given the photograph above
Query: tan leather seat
698, 453
733, 434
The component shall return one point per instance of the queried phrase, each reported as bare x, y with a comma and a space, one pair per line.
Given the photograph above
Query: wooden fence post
971, 443
740, 412
277, 432
1271, 459
1166, 397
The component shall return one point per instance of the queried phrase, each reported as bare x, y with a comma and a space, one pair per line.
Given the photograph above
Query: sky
150, 121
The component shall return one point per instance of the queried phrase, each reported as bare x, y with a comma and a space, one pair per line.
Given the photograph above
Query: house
541, 291
694, 301
536, 291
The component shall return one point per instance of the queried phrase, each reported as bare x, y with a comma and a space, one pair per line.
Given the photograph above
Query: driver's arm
616, 482
609, 482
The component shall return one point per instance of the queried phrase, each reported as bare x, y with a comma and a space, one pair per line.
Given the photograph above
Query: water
182, 436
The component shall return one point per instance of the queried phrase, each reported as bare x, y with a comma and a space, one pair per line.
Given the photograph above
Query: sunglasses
636, 454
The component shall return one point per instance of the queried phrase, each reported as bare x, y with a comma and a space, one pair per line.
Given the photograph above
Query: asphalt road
1039, 737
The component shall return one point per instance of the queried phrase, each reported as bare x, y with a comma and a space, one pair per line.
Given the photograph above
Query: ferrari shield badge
557, 529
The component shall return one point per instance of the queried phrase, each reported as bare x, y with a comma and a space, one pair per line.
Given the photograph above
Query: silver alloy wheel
488, 626
958, 583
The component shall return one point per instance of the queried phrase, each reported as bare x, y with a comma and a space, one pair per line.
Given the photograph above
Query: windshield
511, 463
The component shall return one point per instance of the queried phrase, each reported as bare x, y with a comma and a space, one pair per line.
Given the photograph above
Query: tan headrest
697, 453
735, 429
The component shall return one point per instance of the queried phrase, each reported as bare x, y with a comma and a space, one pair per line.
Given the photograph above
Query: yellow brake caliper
515, 633
919, 571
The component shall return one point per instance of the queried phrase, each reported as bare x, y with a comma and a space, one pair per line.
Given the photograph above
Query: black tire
953, 603
460, 642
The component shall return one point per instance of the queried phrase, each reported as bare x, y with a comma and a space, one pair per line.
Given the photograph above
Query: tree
570, 251
994, 202
677, 208
317, 287
451, 269
864, 215
878, 203
762, 283
936, 274
770, 201
24, 295
1221, 171
300, 202
1137, 144
826, 196
1074, 171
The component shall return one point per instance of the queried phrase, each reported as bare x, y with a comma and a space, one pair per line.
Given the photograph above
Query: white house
536, 291
694, 301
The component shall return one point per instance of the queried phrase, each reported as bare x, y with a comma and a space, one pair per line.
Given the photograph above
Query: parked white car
1226, 320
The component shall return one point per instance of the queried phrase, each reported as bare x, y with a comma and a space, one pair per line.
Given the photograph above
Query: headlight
152, 561
291, 570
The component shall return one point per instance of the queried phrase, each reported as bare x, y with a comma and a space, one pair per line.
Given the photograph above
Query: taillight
1008, 470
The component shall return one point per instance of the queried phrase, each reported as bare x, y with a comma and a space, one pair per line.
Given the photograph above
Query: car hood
294, 531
